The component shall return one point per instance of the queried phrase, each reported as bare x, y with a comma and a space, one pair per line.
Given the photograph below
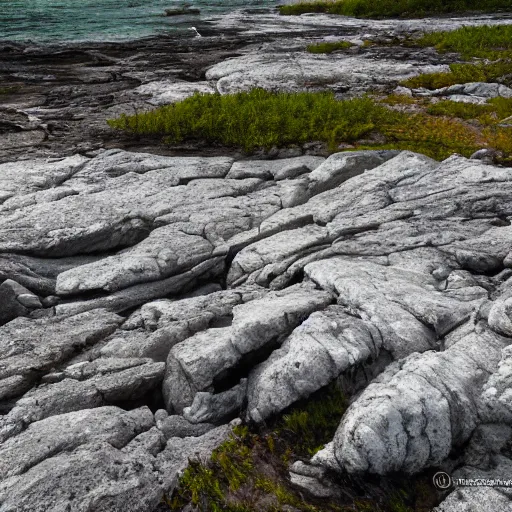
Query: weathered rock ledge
149, 302
218, 289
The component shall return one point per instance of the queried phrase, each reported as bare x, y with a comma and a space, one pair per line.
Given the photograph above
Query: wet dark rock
16, 301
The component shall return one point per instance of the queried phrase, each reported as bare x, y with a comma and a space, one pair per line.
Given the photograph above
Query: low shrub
500, 138
315, 424
493, 43
393, 8
328, 47
485, 41
490, 113
462, 74
437, 137
260, 119
250, 471
457, 109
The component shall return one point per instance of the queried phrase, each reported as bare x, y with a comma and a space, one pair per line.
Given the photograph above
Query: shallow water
103, 20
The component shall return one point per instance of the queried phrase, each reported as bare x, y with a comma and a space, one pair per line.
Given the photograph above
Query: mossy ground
328, 47
393, 8
260, 119
249, 472
13, 89
491, 46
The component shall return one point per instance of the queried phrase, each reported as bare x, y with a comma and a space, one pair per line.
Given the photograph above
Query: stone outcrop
293, 71
151, 302
221, 289
474, 92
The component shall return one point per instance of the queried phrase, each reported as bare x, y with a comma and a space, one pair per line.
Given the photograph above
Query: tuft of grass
260, 119
490, 113
282, 494
249, 471
460, 110
237, 478
206, 486
397, 502
462, 74
493, 43
500, 138
315, 424
501, 106
392, 8
437, 137
400, 99
329, 47
485, 41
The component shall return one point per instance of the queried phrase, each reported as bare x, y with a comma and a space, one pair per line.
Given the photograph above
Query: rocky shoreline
152, 299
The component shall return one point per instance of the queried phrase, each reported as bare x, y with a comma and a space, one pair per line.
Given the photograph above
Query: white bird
195, 30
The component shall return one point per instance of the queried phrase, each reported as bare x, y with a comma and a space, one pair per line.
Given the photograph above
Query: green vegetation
486, 41
491, 43
393, 8
462, 74
328, 47
437, 137
249, 471
500, 138
457, 109
315, 423
260, 119
493, 111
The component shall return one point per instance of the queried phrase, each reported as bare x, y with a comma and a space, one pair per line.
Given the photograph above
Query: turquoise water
107, 20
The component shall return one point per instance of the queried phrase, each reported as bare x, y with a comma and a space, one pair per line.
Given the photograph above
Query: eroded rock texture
219, 289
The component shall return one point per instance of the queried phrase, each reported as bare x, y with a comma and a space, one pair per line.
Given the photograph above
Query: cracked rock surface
162, 297
151, 299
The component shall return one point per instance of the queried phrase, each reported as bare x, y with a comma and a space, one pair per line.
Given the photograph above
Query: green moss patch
311, 426
328, 47
464, 73
490, 113
249, 471
260, 119
486, 41
393, 8
494, 44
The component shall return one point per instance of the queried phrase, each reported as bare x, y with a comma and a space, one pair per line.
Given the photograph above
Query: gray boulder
95, 476
16, 301
71, 395
328, 343
29, 347
207, 357
65, 432
479, 499
416, 411
294, 71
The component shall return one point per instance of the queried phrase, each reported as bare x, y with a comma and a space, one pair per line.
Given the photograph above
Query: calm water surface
74, 20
